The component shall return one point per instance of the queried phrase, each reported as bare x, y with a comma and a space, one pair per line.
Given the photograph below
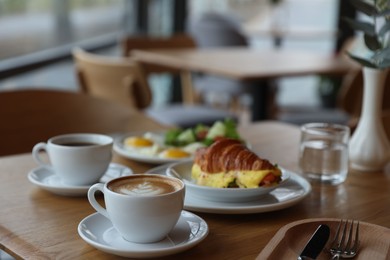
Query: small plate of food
228, 171
173, 145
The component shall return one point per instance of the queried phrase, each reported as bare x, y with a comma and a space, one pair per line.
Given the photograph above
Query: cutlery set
345, 242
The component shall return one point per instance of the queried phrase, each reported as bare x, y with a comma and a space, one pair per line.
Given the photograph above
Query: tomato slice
268, 179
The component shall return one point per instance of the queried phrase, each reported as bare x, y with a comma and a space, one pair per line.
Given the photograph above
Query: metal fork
346, 243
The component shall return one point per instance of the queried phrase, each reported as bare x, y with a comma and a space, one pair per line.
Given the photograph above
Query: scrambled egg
242, 179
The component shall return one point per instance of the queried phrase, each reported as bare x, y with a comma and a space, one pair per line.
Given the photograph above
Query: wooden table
248, 64
35, 224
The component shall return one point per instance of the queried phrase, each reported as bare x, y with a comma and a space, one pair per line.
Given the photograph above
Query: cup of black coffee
78, 159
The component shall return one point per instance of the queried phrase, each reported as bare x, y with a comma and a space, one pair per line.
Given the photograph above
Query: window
32, 26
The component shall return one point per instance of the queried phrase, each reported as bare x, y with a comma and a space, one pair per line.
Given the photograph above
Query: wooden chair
122, 80
350, 97
386, 121
172, 42
32, 116
349, 103
112, 78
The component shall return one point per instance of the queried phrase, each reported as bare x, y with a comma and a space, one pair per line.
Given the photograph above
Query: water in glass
323, 154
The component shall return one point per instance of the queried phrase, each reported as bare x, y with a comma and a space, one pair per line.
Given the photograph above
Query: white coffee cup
143, 208
78, 159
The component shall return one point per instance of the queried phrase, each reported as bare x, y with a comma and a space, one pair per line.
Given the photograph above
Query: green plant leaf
382, 4
364, 62
365, 7
367, 28
384, 29
375, 40
372, 42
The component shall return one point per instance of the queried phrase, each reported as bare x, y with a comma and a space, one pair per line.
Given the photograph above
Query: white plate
120, 149
46, 179
182, 170
291, 192
98, 231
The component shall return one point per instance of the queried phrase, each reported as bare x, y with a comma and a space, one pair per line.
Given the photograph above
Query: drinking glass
323, 152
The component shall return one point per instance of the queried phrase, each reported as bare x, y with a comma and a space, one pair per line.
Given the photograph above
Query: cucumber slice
218, 129
186, 137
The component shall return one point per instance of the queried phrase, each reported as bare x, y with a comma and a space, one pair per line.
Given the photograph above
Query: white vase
369, 148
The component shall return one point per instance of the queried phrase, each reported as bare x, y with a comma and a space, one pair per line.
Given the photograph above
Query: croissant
229, 163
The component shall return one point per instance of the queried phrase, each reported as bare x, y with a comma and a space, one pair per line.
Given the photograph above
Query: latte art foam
143, 186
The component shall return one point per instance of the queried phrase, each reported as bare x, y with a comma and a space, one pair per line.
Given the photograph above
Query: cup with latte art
143, 208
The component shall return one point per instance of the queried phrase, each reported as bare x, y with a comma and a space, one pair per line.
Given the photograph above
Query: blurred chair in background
351, 96
349, 104
123, 80
177, 41
212, 30
111, 78
32, 116
386, 121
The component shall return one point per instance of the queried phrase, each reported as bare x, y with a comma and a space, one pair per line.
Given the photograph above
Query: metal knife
316, 243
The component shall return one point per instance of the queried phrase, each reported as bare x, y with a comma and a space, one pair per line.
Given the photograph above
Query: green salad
202, 133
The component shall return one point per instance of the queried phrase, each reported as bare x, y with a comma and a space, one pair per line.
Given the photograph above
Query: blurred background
36, 37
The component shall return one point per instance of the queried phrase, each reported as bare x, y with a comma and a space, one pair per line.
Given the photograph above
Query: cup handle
37, 148
92, 200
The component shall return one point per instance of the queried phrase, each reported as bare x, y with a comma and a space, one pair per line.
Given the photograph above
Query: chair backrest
113, 78
213, 29
32, 116
177, 41
386, 121
351, 94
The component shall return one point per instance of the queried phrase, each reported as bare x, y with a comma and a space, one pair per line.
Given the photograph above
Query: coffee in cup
78, 159
144, 186
143, 208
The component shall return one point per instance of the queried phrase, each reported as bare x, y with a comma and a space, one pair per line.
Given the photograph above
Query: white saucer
289, 193
98, 231
46, 179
